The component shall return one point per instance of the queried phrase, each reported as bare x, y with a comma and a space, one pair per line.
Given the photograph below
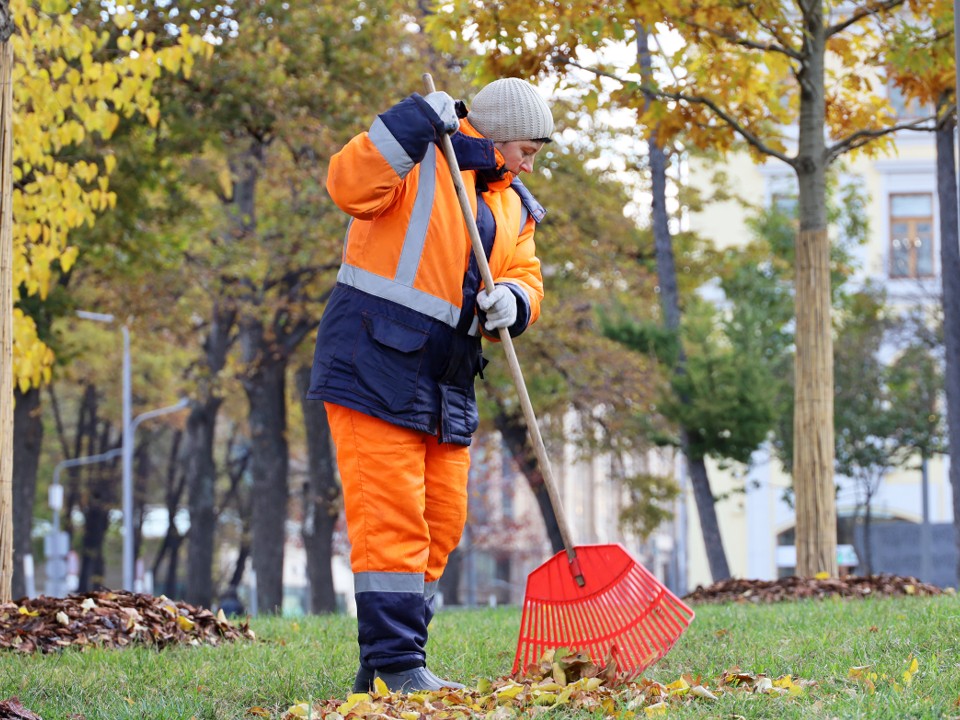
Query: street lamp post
127, 466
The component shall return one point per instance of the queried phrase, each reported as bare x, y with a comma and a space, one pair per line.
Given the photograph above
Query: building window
906, 108
911, 235
786, 203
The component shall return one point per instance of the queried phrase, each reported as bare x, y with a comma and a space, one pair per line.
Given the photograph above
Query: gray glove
500, 306
445, 108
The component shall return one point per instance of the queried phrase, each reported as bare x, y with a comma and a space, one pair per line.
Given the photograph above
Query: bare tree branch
750, 8
733, 38
58, 421
862, 137
734, 124
861, 13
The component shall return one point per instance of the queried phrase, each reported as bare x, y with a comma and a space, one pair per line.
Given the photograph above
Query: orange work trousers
405, 494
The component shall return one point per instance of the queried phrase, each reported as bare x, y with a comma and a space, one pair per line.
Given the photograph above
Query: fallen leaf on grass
911, 670
12, 710
763, 685
870, 679
702, 693
300, 710
864, 674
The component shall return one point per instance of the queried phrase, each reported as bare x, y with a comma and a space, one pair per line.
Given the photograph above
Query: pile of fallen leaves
797, 588
111, 619
562, 679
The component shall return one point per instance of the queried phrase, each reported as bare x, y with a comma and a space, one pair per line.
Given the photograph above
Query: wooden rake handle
533, 428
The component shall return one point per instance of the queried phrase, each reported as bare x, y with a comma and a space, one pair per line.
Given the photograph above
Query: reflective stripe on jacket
400, 336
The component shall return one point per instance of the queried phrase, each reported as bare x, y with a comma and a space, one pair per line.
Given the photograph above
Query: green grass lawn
315, 658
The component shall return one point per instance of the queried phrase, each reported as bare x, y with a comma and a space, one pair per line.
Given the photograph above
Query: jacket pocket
388, 359
459, 416
464, 361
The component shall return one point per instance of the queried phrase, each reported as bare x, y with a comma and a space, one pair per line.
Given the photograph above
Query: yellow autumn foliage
62, 94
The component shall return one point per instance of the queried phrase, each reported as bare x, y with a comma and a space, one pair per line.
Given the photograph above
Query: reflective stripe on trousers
405, 497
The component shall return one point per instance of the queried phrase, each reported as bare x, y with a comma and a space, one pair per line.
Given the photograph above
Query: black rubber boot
411, 680
446, 683
405, 681
364, 680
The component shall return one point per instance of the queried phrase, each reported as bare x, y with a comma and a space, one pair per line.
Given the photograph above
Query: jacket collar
475, 152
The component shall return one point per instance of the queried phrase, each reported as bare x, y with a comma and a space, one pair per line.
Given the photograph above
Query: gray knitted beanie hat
511, 109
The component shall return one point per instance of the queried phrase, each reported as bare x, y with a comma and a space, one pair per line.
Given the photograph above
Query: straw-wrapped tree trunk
6, 303
813, 440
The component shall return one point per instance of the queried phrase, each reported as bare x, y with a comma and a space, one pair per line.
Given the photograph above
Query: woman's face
518, 154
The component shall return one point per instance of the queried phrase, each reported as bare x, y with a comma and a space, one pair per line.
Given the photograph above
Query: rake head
622, 612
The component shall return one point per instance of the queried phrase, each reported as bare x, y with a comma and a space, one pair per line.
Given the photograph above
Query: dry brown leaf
12, 710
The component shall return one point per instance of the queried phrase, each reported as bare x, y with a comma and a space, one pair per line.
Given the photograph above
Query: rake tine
538, 647
622, 612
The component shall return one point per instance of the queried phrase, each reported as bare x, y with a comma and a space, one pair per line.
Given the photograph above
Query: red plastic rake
621, 611
612, 608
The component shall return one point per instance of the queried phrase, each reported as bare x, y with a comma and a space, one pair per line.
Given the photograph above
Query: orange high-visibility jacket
400, 338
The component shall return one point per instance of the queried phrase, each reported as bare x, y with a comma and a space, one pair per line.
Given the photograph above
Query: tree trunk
867, 540
102, 481
169, 552
950, 275
813, 439
200, 466
322, 499
96, 518
236, 577
28, 436
6, 302
450, 580
264, 384
201, 474
514, 432
241, 498
170, 548
670, 305
707, 512
101, 488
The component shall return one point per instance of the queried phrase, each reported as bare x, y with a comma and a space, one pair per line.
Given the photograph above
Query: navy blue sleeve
413, 124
